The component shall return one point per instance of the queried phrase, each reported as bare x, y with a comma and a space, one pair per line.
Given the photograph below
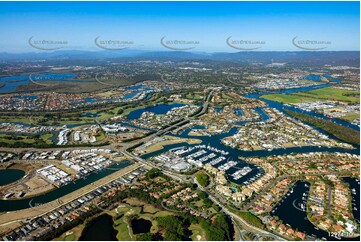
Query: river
281, 106
296, 218
12, 82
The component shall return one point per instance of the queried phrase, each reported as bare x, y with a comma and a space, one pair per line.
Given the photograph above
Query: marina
166, 135
213, 152
217, 160
292, 210
355, 193
242, 172
227, 166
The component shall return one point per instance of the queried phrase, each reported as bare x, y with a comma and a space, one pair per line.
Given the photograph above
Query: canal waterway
291, 212
12, 205
157, 109
10, 175
288, 213
285, 210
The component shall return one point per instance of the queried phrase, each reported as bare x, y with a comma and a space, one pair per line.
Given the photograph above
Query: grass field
322, 94
198, 233
225, 96
129, 110
121, 221
170, 140
351, 117
77, 118
108, 114
63, 121
194, 96
123, 230
8, 138
142, 210
46, 138
20, 119
71, 235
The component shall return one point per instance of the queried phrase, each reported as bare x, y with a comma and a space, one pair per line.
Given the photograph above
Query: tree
207, 202
202, 195
173, 227
152, 173
215, 207
251, 219
145, 237
202, 179
218, 229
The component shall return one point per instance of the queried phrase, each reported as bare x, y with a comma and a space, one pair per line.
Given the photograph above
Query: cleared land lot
322, 94
170, 140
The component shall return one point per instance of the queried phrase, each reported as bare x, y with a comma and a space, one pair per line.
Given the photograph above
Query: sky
267, 26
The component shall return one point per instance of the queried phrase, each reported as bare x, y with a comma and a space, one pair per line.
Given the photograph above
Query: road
183, 178
11, 220
123, 150
329, 191
205, 104
234, 83
179, 177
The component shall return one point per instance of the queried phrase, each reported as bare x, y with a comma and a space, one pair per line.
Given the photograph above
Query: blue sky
209, 23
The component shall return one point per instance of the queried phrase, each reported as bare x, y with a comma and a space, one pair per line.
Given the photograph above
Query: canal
13, 205
355, 193
286, 210
157, 109
291, 212
10, 175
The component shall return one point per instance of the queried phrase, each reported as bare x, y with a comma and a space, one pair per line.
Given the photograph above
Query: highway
182, 178
13, 219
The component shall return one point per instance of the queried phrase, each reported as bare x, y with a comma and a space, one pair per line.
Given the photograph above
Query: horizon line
170, 51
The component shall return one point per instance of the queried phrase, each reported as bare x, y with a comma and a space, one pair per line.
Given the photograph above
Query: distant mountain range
293, 57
